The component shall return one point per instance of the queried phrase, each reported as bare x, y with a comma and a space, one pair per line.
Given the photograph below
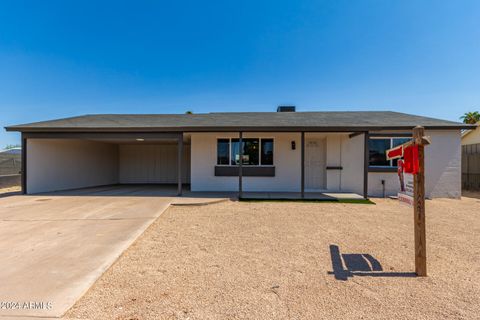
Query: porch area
189, 197
281, 165
320, 196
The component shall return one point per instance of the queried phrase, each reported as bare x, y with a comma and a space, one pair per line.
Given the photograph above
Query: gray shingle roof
246, 121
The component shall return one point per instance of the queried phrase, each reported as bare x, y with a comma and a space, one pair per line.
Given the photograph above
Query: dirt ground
287, 260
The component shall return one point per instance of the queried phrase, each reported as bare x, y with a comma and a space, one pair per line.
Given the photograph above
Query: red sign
395, 153
410, 159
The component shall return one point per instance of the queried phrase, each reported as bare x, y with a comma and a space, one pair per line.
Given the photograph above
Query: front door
315, 164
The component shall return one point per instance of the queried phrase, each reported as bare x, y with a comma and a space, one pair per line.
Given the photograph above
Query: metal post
302, 159
24, 164
365, 165
180, 164
240, 165
467, 184
419, 206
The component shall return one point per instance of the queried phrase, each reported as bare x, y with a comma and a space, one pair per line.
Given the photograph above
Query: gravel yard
290, 260
5, 192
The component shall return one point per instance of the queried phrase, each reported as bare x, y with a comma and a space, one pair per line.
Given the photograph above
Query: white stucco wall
352, 159
334, 159
347, 153
157, 163
442, 169
443, 160
341, 151
56, 164
286, 162
375, 188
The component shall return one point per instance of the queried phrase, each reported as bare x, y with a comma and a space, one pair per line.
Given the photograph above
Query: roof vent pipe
286, 109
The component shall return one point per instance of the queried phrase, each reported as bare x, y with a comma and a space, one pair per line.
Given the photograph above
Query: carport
62, 161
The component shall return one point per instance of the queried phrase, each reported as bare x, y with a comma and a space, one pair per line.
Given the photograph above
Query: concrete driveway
54, 247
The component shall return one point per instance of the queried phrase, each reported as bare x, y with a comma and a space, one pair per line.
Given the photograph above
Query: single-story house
283, 151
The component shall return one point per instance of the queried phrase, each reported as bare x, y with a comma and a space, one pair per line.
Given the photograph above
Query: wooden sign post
414, 164
419, 204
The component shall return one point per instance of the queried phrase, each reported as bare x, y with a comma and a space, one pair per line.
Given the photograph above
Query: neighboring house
471, 136
471, 159
283, 151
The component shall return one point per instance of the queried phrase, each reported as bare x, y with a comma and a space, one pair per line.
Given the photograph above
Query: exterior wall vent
286, 109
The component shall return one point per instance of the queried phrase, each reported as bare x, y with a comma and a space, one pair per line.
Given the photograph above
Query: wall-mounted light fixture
140, 139
293, 145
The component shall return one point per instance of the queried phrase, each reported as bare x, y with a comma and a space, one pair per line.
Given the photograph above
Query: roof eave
230, 129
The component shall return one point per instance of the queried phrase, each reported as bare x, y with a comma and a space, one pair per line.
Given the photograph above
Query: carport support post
24, 165
240, 163
302, 159
366, 160
419, 206
180, 163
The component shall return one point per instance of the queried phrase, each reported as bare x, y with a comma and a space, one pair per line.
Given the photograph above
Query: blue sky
66, 58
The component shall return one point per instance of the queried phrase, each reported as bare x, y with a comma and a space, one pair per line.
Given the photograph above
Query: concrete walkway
54, 247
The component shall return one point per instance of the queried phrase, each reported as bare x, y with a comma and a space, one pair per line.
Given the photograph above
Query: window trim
243, 164
380, 167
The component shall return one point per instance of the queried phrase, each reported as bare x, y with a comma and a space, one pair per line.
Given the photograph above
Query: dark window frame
260, 164
392, 163
267, 156
247, 143
225, 157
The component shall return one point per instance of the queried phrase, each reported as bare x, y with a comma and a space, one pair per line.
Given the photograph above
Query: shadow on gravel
359, 264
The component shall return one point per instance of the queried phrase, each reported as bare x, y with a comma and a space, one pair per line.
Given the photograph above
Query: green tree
189, 112
471, 117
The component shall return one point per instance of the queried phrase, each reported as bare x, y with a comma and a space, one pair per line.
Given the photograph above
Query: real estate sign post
412, 180
419, 204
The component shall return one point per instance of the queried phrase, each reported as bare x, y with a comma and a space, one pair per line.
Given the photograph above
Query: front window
267, 152
250, 152
223, 149
378, 151
255, 151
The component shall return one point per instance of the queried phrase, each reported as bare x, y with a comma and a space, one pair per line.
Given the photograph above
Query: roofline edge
234, 129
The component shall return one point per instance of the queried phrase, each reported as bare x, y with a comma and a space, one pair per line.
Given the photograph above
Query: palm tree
471, 117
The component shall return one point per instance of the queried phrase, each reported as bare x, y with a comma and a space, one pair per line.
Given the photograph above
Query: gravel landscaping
291, 260
5, 192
